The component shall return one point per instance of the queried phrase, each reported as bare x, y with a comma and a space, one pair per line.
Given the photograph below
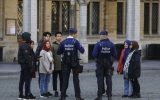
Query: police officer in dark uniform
104, 51
25, 60
69, 48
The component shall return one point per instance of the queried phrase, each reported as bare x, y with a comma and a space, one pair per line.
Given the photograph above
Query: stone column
72, 14
41, 18
1, 18
30, 18
34, 19
83, 30
159, 19
133, 20
26, 15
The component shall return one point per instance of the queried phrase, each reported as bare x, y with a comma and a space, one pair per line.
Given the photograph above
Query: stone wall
1, 18
9, 42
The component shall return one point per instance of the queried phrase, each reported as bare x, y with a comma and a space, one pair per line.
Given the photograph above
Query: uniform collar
70, 37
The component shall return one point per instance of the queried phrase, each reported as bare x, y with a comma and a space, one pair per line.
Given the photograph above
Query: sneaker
103, 91
79, 98
43, 95
56, 94
98, 98
26, 97
20, 97
49, 94
123, 96
135, 96
31, 96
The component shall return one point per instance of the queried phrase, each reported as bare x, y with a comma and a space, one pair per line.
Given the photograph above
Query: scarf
126, 65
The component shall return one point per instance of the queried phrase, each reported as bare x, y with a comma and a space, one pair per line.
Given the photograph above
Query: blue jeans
44, 82
127, 87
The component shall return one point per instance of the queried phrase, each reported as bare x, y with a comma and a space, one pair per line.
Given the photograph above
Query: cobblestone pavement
150, 87
150, 84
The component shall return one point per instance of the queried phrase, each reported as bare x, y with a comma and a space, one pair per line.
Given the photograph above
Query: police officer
25, 60
69, 48
104, 51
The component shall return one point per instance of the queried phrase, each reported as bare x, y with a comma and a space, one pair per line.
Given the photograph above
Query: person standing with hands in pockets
45, 69
57, 63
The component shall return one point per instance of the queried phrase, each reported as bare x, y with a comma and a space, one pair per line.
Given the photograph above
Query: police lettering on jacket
70, 44
69, 47
104, 49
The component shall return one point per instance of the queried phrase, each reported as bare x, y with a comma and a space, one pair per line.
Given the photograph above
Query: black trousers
100, 74
54, 79
66, 74
136, 86
25, 78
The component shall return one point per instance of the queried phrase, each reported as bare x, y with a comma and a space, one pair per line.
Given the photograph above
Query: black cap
72, 30
26, 36
103, 33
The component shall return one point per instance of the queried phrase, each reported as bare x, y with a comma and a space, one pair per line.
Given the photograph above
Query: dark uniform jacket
134, 69
70, 45
104, 49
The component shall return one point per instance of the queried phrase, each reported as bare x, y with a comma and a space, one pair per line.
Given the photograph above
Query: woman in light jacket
45, 69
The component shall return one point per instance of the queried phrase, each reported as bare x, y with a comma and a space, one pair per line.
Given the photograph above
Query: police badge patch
26, 51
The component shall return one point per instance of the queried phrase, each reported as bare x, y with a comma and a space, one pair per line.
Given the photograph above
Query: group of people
130, 66
61, 57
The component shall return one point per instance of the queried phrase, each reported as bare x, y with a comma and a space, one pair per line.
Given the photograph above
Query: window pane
95, 18
146, 18
65, 16
154, 18
55, 17
120, 18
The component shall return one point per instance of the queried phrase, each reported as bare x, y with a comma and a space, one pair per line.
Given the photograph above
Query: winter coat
57, 58
46, 62
134, 70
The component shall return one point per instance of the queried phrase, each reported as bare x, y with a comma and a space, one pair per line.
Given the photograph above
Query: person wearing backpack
69, 49
104, 51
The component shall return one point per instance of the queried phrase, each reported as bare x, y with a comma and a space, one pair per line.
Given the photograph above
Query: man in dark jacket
46, 37
57, 63
25, 60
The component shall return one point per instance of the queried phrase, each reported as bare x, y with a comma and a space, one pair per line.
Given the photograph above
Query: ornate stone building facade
132, 19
